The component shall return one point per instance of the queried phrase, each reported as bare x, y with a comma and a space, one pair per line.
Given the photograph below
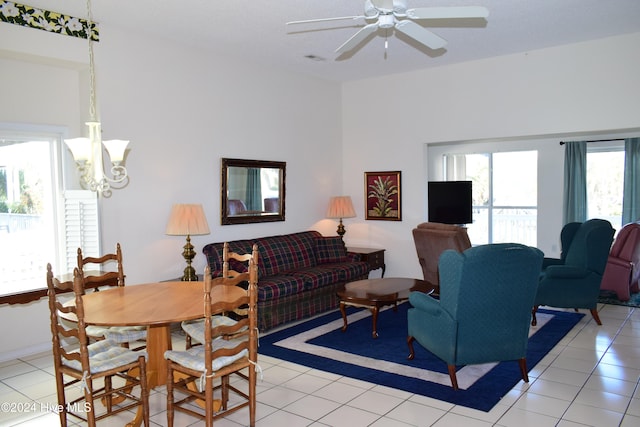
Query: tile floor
589, 379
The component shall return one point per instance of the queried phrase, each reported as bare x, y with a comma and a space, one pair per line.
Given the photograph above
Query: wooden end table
372, 256
377, 293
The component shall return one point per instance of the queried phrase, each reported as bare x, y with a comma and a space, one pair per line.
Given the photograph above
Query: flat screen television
450, 202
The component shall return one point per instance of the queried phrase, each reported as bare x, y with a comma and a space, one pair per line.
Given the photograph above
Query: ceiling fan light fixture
386, 21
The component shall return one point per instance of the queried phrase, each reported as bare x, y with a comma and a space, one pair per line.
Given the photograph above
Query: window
605, 183
39, 223
504, 194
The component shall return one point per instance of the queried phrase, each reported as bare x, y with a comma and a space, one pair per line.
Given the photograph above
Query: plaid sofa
298, 274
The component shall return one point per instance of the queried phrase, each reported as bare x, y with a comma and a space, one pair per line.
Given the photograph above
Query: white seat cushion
119, 334
105, 355
194, 357
195, 328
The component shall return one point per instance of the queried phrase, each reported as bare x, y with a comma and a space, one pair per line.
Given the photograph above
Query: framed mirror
252, 191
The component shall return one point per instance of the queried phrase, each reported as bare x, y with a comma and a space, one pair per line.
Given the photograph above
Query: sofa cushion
275, 287
351, 271
330, 249
318, 276
280, 254
305, 255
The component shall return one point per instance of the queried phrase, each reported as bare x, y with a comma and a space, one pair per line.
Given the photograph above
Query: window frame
606, 146
491, 205
54, 135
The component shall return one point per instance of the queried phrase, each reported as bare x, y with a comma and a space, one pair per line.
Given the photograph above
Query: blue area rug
319, 343
610, 297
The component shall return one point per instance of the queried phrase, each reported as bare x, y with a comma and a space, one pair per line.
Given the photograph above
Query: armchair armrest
618, 262
424, 302
546, 262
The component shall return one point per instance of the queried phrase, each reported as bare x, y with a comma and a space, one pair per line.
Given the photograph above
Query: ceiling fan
393, 14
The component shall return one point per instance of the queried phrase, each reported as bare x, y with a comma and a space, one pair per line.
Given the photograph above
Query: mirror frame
226, 219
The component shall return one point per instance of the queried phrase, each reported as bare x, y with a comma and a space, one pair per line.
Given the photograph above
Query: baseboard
25, 352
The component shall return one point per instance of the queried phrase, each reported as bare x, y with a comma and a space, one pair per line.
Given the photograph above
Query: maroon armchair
272, 204
623, 265
235, 207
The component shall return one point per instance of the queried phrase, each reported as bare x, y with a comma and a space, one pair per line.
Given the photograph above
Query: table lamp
187, 220
341, 207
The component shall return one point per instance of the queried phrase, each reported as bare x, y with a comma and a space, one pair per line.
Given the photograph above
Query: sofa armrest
353, 257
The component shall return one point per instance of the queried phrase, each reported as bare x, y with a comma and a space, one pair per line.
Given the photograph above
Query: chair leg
208, 399
534, 321
169, 395
410, 341
252, 396
452, 375
88, 397
523, 369
61, 399
596, 317
144, 390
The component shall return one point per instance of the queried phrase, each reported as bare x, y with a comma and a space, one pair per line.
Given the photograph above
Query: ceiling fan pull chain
386, 42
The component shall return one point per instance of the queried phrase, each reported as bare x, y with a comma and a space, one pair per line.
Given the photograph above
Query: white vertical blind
81, 225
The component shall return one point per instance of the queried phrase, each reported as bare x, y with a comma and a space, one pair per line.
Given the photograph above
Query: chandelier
87, 152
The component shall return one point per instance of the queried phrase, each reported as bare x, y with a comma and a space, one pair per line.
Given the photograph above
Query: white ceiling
255, 30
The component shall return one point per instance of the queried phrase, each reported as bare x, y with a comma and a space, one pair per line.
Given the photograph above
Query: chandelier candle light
187, 220
87, 152
341, 207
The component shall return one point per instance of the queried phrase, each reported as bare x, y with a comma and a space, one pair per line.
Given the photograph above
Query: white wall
585, 89
183, 110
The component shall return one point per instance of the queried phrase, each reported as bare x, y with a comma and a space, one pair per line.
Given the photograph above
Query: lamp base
188, 253
189, 275
341, 230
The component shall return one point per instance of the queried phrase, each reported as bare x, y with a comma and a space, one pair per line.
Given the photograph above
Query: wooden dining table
154, 305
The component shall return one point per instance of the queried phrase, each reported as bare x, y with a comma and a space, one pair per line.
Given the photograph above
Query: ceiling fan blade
448, 12
383, 5
420, 34
358, 37
307, 21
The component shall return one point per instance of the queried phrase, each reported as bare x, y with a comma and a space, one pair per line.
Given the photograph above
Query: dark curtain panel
254, 190
575, 182
631, 195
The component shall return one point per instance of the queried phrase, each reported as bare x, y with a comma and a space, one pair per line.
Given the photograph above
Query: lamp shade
80, 148
187, 219
341, 207
116, 149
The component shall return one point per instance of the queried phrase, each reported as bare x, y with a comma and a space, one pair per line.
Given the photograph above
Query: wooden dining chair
232, 264
229, 347
107, 271
79, 364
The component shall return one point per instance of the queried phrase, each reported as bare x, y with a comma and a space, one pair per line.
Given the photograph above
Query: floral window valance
29, 16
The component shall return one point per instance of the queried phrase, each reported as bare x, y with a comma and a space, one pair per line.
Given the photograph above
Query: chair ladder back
75, 311
106, 277
227, 255
229, 338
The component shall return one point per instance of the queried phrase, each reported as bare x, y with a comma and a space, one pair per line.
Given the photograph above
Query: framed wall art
382, 196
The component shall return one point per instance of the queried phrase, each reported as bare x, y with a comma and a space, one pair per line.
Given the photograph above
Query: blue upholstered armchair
483, 315
575, 282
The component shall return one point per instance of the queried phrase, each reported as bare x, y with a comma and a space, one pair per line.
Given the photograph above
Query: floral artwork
382, 195
42, 19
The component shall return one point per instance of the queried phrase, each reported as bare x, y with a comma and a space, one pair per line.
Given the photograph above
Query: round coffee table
377, 293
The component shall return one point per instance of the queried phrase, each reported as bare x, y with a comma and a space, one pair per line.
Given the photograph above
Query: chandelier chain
92, 72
